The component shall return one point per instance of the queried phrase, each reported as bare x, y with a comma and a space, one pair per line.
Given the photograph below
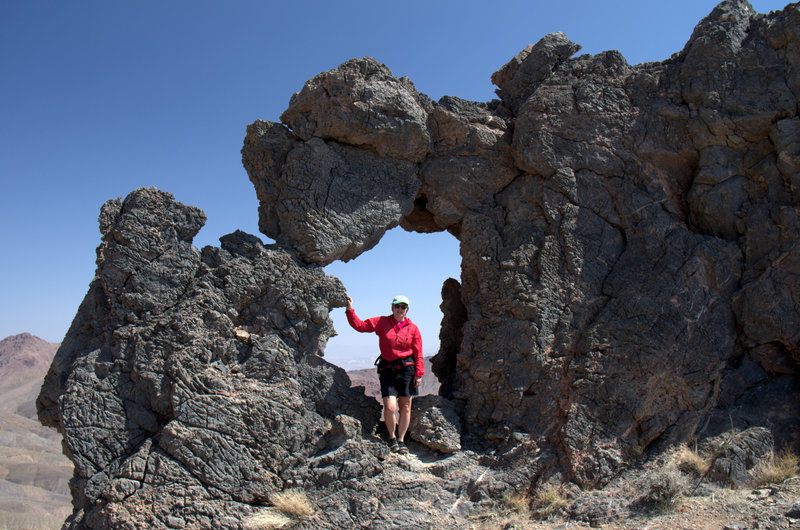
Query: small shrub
776, 469
664, 489
293, 503
637, 452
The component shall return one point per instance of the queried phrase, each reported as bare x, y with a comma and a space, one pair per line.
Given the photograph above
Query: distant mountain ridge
24, 359
34, 483
25, 352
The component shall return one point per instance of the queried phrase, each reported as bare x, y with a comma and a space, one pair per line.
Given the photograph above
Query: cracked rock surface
630, 280
628, 234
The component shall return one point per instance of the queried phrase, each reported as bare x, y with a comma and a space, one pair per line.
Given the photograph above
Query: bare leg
405, 416
389, 411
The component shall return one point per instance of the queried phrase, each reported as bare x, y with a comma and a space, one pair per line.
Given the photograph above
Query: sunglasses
401, 306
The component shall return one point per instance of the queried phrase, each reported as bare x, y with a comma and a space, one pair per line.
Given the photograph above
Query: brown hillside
34, 474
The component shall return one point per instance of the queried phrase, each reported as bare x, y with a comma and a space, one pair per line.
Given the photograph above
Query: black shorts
397, 378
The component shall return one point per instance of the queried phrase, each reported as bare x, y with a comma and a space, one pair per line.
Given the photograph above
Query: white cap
400, 299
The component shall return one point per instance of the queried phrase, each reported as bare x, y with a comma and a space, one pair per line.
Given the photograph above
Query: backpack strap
382, 364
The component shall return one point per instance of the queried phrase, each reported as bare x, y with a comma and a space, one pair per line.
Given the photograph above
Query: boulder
735, 454
435, 424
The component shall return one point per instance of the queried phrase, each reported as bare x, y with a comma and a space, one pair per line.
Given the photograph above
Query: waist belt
397, 364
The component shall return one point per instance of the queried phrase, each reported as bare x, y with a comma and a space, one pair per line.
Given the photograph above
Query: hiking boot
393, 445
401, 448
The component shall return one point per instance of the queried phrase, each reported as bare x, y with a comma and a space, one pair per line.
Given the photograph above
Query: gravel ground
693, 502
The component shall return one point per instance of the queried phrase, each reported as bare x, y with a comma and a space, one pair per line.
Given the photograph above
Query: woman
400, 367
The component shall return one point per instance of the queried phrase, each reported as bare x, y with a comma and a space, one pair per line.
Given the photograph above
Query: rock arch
614, 220
629, 276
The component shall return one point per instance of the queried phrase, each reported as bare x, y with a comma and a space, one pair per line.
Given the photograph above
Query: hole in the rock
412, 264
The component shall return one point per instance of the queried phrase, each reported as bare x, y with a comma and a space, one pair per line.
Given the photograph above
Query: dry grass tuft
266, 520
508, 511
776, 469
288, 507
516, 503
549, 499
293, 502
690, 461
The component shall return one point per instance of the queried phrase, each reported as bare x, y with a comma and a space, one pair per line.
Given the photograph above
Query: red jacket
396, 340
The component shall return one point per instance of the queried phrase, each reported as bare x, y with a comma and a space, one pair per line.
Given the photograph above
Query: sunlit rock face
194, 370
628, 233
630, 269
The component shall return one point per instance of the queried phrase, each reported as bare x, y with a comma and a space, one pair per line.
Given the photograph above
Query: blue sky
98, 98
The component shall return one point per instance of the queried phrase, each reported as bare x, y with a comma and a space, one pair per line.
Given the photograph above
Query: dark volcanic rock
435, 424
155, 387
451, 334
736, 454
628, 233
629, 280
328, 201
362, 104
